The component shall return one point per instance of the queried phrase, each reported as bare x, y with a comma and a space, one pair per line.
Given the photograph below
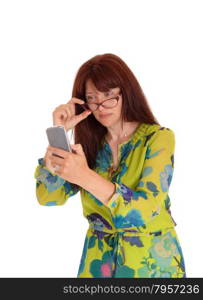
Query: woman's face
106, 116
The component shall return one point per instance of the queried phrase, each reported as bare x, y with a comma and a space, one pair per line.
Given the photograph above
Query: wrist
85, 177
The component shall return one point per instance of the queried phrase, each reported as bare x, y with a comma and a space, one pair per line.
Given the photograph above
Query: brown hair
108, 71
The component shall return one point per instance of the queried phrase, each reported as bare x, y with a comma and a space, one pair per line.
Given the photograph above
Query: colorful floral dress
133, 235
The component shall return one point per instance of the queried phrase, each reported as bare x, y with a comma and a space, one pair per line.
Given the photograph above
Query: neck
115, 133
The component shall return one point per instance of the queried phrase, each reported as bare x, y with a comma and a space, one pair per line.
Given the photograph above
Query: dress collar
140, 131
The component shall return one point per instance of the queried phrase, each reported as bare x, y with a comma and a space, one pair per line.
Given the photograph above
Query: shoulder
158, 133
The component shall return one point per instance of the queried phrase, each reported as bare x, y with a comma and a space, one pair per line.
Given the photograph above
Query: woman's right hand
64, 114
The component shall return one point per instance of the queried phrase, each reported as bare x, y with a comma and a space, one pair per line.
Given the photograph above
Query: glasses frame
85, 105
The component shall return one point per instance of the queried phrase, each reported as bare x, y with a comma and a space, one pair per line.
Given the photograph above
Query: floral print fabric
134, 234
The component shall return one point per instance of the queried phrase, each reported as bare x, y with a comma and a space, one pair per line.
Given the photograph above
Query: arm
98, 186
51, 189
138, 206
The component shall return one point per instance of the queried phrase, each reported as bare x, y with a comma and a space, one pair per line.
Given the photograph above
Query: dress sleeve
140, 205
51, 189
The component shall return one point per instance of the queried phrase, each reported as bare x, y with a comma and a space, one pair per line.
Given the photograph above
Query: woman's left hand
73, 166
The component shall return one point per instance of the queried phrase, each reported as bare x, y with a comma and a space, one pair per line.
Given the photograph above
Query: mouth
104, 115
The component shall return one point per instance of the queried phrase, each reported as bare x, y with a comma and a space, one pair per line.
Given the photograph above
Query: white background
43, 43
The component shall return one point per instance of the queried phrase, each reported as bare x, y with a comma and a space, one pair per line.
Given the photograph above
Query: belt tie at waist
115, 239
118, 252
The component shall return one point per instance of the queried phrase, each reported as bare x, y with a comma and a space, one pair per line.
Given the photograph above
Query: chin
108, 124
106, 121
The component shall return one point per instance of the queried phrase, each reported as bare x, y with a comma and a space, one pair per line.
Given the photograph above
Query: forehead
90, 88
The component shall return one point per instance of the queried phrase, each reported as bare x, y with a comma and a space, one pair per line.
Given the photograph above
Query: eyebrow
90, 93
93, 92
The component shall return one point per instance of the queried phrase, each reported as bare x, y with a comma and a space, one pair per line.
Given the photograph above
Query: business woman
122, 166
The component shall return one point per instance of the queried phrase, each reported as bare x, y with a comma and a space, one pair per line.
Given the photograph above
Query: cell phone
58, 138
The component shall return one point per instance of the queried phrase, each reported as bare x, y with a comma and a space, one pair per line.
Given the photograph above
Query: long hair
108, 71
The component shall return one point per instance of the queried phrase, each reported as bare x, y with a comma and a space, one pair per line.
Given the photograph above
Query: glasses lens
110, 103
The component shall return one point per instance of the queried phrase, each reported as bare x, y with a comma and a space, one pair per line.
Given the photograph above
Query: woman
122, 164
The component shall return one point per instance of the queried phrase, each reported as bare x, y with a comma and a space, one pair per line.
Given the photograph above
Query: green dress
134, 234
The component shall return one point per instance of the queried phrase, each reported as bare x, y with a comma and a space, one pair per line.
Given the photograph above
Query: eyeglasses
108, 103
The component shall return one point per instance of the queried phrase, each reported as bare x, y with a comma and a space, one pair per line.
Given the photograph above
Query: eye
88, 98
108, 94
